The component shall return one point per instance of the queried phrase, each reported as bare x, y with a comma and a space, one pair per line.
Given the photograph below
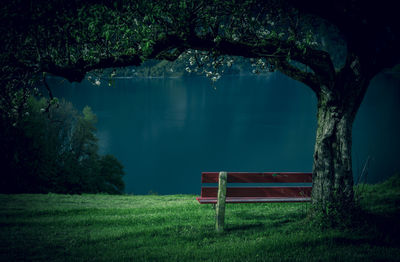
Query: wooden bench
277, 187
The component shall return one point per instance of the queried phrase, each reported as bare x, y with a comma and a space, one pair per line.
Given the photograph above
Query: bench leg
220, 207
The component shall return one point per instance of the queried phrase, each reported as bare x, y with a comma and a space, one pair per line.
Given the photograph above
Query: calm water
167, 131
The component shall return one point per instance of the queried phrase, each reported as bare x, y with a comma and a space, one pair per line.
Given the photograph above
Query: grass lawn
177, 228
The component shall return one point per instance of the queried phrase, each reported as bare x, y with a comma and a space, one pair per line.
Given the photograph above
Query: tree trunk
332, 170
332, 193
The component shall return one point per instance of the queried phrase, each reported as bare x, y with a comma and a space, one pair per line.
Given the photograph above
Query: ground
54, 227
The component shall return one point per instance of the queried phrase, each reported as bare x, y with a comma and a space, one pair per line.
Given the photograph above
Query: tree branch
319, 61
276, 49
170, 55
76, 72
307, 78
47, 87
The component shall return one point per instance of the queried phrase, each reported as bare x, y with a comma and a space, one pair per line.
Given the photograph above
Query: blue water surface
167, 131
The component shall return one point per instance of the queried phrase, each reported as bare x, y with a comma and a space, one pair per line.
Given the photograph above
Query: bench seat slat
213, 200
260, 177
259, 192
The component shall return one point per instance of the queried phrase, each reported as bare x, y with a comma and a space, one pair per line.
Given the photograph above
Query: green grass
176, 228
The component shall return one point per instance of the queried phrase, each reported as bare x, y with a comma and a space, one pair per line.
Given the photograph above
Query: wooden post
220, 208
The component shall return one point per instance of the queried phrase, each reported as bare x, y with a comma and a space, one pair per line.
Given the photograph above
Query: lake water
167, 131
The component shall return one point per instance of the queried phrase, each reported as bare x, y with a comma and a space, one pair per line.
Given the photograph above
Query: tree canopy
70, 38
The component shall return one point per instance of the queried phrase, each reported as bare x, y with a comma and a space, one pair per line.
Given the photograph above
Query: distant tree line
51, 147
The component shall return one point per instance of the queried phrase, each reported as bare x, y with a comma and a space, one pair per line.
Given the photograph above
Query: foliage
70, 38
311, 42
53, 148
98, 227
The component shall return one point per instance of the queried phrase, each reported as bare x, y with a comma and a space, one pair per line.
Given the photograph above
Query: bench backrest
283, 192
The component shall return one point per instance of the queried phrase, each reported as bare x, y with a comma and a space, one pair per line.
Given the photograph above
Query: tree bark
332, 170
332, 193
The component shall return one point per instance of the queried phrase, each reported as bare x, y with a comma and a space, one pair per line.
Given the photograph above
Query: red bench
255, 194
221, 194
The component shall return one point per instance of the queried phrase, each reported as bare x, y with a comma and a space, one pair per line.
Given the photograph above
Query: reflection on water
166, 131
